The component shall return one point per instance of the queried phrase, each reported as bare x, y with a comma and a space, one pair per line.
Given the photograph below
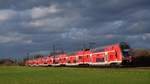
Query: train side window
74, 61
80, 57
116, 54
69, 61
99, 59
87, 56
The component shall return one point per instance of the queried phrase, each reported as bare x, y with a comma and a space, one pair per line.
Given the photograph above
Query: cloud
39, 12
141, 14
6, 14
76, 34
14, 38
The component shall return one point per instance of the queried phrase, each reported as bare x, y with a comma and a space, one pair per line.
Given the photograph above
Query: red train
116, 54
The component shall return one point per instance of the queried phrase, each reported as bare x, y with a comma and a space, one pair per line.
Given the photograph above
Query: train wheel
115, 65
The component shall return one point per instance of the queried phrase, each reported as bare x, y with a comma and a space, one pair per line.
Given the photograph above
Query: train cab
126, 52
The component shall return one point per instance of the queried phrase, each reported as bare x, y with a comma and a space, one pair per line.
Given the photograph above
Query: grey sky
34, 25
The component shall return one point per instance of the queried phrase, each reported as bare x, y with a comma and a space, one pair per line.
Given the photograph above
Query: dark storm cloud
34, 25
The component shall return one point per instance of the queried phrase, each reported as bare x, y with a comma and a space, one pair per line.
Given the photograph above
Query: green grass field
66, 75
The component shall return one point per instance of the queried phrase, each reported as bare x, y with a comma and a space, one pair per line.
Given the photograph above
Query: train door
106, 56
112, 56
86, 59
80, 59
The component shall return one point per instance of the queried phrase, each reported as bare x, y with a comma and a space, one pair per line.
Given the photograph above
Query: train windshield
125, 49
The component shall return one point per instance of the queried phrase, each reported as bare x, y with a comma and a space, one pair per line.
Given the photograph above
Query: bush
141, 57
6, 62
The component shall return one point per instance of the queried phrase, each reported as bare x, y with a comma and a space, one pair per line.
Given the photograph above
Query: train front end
126, 53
